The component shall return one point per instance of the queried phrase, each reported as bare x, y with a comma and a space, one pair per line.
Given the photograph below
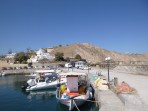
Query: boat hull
73, 101
68, 102
40, 86
44, 85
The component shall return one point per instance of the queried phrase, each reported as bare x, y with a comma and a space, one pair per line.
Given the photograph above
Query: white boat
44, 82
3, 74
76, 92
40, 72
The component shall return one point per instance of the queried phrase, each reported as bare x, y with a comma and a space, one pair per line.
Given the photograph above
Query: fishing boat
44, 82
76, 91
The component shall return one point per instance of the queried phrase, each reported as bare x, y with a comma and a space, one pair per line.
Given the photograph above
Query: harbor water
13, 98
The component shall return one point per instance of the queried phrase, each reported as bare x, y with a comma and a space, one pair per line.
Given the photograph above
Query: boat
3, 74
76, 91
43, 82
40, 72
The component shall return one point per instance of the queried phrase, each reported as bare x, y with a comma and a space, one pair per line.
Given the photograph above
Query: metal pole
88, 68
115, 81
108, 73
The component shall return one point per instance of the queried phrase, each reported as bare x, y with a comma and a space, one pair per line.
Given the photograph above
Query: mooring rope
83, 99
76, 105
89, 100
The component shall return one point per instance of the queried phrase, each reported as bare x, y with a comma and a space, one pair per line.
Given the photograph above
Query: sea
13, 98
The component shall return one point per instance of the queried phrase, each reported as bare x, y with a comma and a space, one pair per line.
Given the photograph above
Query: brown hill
95, 54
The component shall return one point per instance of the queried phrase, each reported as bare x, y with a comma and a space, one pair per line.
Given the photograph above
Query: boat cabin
72, 81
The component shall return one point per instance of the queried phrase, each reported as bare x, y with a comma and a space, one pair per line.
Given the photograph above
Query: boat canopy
45, 71
72, 74
52, 75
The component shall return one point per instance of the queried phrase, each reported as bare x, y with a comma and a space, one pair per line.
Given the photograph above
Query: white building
41, 54
80, 64
49, 49
10, 56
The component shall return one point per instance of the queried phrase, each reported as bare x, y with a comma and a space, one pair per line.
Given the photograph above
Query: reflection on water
13, 98
43, 94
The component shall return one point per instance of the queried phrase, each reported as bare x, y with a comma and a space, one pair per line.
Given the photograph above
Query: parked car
25, 67
3, 68
60, 65
9, 68
29, 67
68, 65
80, 67
85, 68
18, 67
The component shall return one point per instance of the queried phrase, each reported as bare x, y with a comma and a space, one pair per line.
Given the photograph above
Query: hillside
95, 54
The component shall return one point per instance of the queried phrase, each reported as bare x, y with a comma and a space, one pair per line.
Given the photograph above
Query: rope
83, 99
76, 105
89, 100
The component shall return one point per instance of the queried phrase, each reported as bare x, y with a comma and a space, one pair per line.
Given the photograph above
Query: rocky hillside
95, 54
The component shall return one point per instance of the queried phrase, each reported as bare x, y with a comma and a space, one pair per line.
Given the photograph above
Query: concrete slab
109, 101
132, 102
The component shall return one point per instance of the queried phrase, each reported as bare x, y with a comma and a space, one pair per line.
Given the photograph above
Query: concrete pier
132, 102
108, 100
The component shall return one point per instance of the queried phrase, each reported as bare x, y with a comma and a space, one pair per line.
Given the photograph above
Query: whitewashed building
49, 49
41, 54
80, 64
10, 56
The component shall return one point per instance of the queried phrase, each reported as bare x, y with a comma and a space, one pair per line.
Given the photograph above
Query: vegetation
78, 57
30, 52
24, 62
59, 56
21, 57
67, 59
44, 61
2, 56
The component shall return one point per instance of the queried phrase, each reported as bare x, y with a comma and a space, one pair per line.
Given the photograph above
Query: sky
115, 25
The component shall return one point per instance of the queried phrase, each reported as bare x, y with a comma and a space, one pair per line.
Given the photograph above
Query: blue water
13, 98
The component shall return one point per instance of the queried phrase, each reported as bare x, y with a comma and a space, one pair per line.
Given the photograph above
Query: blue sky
116, 25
